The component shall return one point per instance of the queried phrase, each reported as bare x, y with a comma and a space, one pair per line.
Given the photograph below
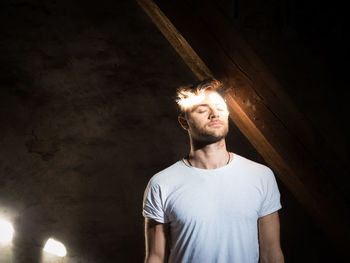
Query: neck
208, 155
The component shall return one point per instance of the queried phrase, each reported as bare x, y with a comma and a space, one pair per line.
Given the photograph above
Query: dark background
87, 117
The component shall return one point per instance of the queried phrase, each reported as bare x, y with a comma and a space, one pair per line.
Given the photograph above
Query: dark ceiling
87, 117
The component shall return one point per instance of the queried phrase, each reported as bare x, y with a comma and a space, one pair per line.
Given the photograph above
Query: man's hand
269, 239
156, 235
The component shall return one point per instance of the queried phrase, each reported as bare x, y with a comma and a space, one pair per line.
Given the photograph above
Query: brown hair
184, 92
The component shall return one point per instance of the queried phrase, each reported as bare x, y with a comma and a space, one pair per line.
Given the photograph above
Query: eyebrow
199, 105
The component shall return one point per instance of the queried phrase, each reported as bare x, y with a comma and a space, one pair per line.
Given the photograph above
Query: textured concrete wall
87, 118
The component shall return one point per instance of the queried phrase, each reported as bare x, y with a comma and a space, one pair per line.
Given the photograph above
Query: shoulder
249, 164
253, 167
257, 174
168, 174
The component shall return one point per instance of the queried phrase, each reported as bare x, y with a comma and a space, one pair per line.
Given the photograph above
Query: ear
183, 122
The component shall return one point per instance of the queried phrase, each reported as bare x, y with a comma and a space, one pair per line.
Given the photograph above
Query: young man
213, 206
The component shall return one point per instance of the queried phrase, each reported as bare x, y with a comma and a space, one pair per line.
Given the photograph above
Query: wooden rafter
180, 44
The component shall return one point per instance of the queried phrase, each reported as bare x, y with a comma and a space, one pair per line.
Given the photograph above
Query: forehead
211, 97
207, 98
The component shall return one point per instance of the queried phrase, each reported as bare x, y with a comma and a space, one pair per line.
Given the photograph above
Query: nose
214, 113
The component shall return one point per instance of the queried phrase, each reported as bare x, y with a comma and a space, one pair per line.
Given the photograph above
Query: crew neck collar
235, 156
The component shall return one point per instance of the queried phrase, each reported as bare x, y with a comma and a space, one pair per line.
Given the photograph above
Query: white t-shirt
212, 213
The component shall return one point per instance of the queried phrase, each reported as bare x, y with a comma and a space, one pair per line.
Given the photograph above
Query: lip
216, 124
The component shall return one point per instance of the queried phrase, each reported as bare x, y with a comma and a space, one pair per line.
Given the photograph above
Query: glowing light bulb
6, 232
55, 247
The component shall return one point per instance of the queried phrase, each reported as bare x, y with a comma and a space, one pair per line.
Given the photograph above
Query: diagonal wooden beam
272, 95
180, 44
257, 104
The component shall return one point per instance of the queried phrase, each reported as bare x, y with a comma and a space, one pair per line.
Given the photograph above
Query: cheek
225, 114
197, 118
195, 123
225, 117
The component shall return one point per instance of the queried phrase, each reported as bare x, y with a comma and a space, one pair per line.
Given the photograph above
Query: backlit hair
189, 95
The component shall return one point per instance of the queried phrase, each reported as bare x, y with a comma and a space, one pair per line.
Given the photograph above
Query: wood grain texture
176, 40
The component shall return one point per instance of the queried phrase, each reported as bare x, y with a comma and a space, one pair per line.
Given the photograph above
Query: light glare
217, 99
6, 232
188, 99
56, 248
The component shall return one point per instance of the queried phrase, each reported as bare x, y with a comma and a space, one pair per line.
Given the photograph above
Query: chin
221, 133
210, 140
208, 135
211, 137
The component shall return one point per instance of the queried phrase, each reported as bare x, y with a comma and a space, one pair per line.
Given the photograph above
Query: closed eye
201, 109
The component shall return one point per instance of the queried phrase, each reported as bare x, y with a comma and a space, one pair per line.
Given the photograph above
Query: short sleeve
271, 195
153, 204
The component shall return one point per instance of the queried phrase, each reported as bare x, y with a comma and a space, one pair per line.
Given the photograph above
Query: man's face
207, 120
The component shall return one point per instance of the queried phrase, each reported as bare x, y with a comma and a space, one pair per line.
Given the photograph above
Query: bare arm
156, 235
269, 239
